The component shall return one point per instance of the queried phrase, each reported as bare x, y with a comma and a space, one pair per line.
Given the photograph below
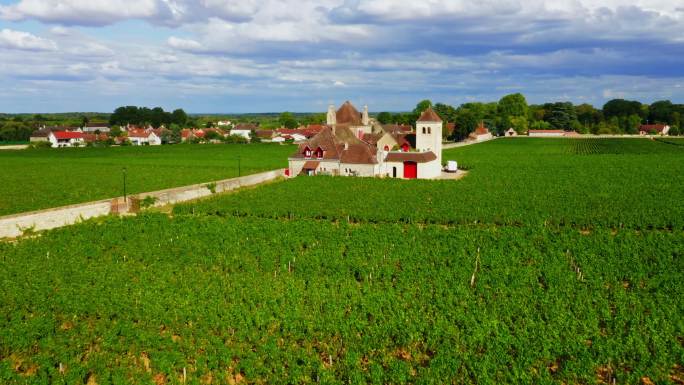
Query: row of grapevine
251, 300
512, 182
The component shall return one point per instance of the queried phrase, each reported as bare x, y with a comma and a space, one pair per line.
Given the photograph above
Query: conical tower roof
348, 114
429, 115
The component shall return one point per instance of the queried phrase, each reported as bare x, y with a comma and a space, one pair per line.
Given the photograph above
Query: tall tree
621, 107
288, 120
661, 112
562, 115
179, 117
384, 118
512, 105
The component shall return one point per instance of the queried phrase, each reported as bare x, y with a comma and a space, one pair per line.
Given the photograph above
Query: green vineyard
551, 262
629, 183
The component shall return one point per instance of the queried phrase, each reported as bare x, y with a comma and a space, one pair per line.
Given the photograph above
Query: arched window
429, 130
423, 130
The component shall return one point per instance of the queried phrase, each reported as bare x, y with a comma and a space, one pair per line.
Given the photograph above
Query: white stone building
65, 139
353, 145
144, 138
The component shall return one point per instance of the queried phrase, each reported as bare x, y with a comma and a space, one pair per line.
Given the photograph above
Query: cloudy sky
275, 55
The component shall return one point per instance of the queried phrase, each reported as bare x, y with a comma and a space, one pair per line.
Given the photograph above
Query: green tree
466, 122
288, 120
561, 115
621, 107
115, 131
178, 116
422, 106
512, 105
445, 111
384, 118
519, 124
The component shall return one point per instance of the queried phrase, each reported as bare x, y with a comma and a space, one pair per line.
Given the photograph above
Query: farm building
140, 137
654, 129
65, 138
95, 127
511, 132
481, 133
351, 144
41, 135
545, 133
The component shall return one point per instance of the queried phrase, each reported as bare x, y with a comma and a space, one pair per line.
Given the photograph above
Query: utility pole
124, 184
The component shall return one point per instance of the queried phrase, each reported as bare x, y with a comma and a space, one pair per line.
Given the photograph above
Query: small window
429, 130
386, 148
307, 153
423, 130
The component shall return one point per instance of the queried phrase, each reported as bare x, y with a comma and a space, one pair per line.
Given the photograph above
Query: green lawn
554, 261
38, 179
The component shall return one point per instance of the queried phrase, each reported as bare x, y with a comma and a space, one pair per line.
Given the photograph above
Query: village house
481, 133
65, 138
95, 127
654, 129
351, 144
511, 132
140, 137
41, 135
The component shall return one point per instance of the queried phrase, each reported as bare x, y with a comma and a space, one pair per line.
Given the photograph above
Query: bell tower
429, 133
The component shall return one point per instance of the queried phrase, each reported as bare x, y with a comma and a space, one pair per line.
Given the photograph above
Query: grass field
38, 179
467, 286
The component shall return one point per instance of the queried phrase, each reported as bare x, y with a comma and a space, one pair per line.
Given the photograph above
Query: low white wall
13, 226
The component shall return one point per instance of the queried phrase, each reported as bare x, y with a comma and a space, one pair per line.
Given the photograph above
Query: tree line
617, 116
142, 116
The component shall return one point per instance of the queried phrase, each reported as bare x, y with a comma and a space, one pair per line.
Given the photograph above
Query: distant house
450, 128
94, 127
545, 133
144, 138
511, 132
481, 133
296, 134
265, 135
65, 138
657, 129
241, 132
223, 123
41, 135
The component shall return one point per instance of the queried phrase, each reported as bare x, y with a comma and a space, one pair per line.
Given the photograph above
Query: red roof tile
68, 135
429, 115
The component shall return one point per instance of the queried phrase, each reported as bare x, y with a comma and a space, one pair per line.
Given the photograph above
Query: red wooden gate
410, 170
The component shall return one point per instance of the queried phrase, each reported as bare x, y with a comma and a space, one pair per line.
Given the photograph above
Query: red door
410, 170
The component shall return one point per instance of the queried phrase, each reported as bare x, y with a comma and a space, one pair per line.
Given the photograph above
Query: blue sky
274, 55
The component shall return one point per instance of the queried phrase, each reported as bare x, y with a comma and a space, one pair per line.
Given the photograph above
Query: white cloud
25, 41
81, 12
184, 44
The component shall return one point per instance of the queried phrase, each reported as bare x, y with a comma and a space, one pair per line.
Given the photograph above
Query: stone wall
13, 226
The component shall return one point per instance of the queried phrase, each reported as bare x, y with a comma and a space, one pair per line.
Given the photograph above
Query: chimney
332, 116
